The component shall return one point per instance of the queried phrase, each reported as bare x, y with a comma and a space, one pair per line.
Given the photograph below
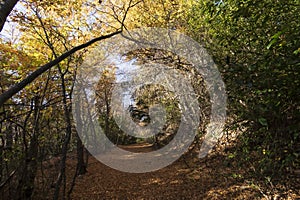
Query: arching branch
31, 77
6, 6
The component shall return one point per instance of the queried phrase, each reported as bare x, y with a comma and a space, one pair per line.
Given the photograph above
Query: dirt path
201, 180
188, 178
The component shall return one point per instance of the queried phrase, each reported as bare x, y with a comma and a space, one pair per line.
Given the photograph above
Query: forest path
214, 177
207, 179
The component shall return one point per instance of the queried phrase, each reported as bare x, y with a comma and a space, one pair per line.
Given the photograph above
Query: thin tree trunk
107, 106
67, 114
29, 170
80, 157
6, 6
81, 165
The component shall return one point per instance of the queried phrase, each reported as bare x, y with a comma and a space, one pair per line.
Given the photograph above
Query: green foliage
256, 46
255, 43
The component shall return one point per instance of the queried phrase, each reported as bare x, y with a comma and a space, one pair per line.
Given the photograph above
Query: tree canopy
255, 45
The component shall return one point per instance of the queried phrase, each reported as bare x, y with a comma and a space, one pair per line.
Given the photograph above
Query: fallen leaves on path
210, 178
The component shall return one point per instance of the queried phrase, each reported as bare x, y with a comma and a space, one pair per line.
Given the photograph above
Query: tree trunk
6, 6
29, 169
81, 165
67, 114
107, 109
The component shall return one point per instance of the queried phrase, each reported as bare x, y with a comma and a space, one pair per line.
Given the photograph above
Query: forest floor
187, 178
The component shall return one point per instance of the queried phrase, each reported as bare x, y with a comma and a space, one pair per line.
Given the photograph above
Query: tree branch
31, 77
6, 6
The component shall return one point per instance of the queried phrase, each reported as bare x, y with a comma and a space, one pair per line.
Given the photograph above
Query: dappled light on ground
187, 178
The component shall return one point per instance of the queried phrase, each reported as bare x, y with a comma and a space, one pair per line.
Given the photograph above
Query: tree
166, 14
103, 98
19, 86
50, 9
6, 6
256, 46
27, 118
